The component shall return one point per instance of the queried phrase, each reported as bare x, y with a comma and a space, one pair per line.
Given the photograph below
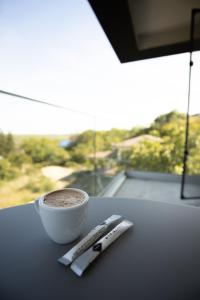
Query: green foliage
172, 116
43, 150
39, 184
6, 144
19, 158
104, 139
163, 156
79, 154
167, 156
7, 171
116, 135
193, 164
105, 163
136, 131
151, 156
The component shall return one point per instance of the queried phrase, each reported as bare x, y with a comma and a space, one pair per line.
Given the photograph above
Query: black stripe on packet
97, 247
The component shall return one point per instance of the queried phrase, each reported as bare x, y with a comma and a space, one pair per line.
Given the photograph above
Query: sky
56, 51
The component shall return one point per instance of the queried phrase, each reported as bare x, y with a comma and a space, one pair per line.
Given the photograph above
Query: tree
7, 171
172, 116
6, 144
9, 143
151, 156
43, 150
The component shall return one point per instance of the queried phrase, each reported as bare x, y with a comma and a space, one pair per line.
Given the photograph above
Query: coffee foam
64, 198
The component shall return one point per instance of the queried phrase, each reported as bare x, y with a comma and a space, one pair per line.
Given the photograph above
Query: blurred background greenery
32, 165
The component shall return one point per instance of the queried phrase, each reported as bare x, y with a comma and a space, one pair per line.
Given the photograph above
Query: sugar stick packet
84, 260
88, 240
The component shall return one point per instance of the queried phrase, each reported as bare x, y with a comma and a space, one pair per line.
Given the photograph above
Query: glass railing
55, 153
58, 148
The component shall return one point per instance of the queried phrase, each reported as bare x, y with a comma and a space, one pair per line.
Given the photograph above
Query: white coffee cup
63, 224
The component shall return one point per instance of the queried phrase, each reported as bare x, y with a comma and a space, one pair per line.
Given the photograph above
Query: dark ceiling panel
115, 18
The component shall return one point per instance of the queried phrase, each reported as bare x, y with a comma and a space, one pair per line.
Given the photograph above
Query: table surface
159, 259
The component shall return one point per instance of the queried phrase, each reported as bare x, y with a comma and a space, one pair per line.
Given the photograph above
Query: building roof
100, 154
136, 140
140, 29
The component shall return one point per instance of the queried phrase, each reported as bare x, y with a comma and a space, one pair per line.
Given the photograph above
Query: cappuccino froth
64, 198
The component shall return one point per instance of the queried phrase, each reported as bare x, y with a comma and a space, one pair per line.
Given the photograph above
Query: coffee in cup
63, 213
64, 198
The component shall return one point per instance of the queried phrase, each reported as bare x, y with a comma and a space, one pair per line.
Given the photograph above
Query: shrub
44, 150
39, 184
19, 158
6, 170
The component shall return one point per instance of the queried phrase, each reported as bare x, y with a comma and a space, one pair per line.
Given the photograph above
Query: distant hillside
20, 137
